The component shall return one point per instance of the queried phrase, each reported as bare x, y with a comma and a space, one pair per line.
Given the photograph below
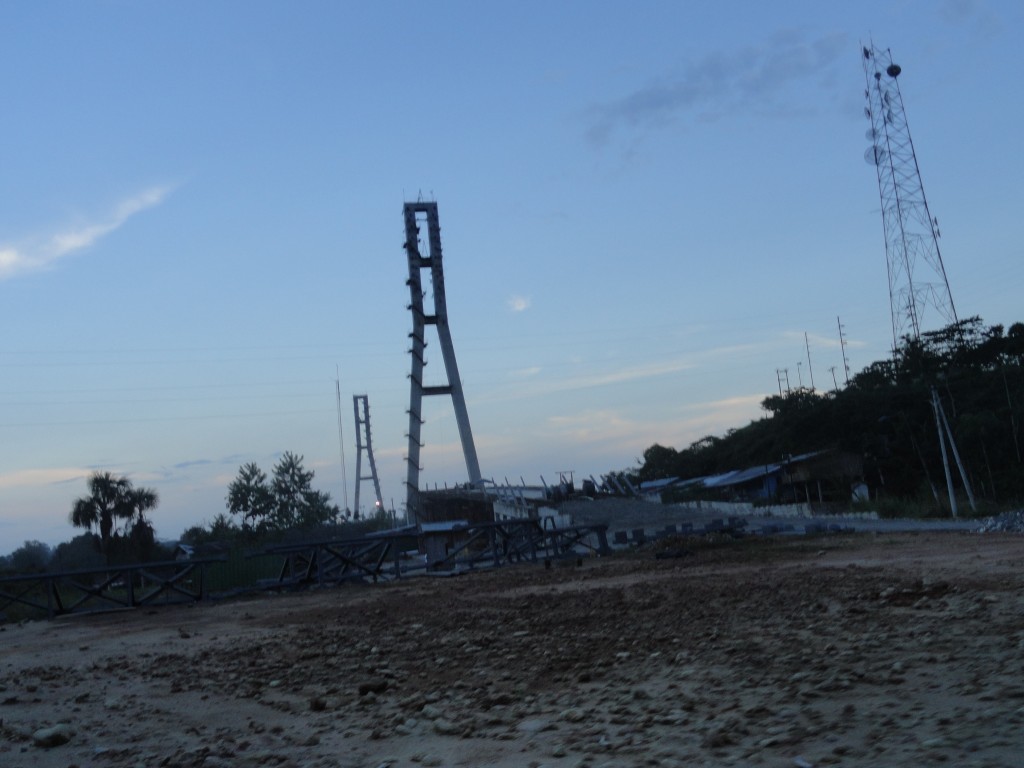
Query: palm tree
111, 499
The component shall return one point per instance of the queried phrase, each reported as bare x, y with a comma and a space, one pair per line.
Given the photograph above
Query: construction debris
1008, 522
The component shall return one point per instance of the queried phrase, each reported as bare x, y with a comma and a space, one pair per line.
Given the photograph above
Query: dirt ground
852, 650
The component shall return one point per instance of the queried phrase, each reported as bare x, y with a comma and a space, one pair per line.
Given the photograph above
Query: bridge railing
109, 588
381, 556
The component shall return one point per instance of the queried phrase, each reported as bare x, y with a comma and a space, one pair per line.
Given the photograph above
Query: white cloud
607, 377
817, 340
8, 259
519, 303
523, 373
15, 260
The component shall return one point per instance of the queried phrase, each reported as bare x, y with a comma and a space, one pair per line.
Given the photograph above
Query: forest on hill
887, 416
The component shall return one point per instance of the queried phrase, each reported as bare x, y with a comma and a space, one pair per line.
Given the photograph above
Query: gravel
1008, 522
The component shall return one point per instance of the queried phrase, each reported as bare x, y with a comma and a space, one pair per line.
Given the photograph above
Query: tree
110, 500
81, 553
659, 462
885, 415
33, 557
284, 501
251, 498
297, 504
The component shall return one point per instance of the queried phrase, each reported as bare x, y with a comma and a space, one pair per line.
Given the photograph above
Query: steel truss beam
480, 545
126, 586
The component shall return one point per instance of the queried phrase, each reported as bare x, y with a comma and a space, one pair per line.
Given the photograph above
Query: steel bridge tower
361, 406
917, 277
423, 250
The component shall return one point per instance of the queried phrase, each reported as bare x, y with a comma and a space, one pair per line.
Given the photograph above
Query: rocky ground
851, 650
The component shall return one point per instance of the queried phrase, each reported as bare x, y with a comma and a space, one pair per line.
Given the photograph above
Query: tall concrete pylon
423, 250
361, 406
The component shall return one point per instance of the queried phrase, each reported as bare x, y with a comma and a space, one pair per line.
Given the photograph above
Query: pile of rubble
1008, 522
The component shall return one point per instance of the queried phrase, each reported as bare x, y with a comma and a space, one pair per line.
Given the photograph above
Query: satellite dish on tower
875, 155
893, 70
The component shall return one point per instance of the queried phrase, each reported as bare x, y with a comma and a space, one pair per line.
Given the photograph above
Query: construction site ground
851, 649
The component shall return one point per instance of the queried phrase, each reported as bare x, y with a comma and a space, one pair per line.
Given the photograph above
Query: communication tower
361, 406
423, 250
917, 277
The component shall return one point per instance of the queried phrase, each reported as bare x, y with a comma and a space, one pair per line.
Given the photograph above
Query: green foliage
251, 498
118, 511
297, 505
32, 557
79, 554
885, 416
282, 502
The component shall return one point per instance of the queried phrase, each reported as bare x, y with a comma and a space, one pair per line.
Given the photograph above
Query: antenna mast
917, 277
810, 370
341, 441
842, 346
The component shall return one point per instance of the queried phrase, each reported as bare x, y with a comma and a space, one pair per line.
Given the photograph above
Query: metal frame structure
917, 277
127, 586
361, 406
424, 253
380, 556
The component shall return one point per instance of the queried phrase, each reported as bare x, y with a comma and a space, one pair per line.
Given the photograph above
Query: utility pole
341, 441
842, 346
810, 370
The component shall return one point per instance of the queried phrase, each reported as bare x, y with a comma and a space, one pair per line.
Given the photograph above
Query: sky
651, 212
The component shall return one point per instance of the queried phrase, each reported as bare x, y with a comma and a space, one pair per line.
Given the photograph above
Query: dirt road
853, 650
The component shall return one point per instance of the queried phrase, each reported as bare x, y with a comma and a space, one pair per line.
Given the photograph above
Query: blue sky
645, 207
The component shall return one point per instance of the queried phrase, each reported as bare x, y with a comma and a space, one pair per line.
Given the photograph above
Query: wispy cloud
721, 84
43, 252
525, 373
532, 385
613, 433
818, 340
595, 426
193, 463
33, 478
518, 303
977, 17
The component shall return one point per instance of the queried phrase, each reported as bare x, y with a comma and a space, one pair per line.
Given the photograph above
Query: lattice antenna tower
423, 250
917, 277
364, 444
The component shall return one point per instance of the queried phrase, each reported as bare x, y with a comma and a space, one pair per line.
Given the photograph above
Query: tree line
263, 507
885, 415
116, 517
